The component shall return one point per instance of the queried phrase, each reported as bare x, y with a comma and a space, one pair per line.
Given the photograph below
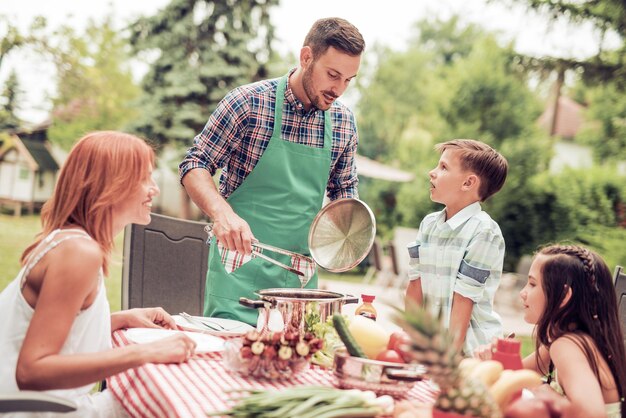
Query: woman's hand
142, 318
484, 352
175, 349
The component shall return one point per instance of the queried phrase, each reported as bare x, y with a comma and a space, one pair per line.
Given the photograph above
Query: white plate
221, 327
205, 343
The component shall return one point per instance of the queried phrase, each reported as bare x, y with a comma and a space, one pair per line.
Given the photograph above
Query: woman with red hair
55, 333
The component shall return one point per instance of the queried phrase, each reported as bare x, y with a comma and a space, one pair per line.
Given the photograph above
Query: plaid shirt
239, 131
463, 255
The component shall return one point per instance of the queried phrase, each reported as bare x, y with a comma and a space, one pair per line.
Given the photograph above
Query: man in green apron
281, 144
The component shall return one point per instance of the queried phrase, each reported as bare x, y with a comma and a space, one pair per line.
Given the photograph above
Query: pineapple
432, 346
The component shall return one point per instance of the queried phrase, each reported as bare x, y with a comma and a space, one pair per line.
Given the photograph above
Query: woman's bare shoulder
80, 256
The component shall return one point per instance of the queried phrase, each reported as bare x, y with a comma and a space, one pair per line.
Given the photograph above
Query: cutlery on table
210, 325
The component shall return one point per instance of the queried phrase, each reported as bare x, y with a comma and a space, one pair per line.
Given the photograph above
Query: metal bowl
342, 234
381, 377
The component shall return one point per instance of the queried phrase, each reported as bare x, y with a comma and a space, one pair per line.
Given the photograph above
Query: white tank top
90, 332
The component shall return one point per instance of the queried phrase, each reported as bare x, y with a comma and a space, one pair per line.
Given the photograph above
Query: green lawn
15, 234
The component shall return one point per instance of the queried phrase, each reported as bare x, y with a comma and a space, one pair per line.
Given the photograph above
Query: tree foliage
201, 49
604, 128
95, 87
13, 39
494, 108
607, 16
603, 76
454, 81
10, 103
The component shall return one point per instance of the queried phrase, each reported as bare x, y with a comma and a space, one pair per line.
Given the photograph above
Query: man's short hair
335, 32
479, 158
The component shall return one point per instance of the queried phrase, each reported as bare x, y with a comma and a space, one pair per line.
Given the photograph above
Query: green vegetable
326, 332
311, 316
344, 333
308, 402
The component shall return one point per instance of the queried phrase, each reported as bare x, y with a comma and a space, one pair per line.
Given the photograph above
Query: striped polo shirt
465, 255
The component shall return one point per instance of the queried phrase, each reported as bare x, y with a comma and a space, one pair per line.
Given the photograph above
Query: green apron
279, 200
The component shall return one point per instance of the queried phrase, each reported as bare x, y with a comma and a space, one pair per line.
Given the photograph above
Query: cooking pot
298, 308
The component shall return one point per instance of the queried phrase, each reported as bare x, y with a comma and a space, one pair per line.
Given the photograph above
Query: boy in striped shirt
457, 257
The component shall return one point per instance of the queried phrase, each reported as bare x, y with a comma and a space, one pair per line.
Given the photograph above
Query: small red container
508, 353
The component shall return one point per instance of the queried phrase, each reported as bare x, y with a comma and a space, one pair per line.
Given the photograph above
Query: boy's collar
463, 215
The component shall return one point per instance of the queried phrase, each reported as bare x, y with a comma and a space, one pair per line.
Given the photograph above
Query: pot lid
342, 234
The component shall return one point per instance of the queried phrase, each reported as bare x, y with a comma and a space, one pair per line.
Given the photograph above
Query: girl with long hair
55, 333
571, 298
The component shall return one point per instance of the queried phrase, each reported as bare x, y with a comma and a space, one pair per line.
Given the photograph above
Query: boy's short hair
488, 164
335, 32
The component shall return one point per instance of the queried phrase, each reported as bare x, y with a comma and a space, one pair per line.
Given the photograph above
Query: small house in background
27, 170
568, 120
563, 120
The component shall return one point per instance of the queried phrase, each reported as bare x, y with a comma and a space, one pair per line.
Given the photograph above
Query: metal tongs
256, 244
258, 247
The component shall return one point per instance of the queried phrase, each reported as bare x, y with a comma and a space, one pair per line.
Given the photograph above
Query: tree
449, 40
605, 126
95, 89
10, 97
608, 16
203, 49
408, 89
494, 108
12, 39
446, 86
94, 86
437, 90
603, 76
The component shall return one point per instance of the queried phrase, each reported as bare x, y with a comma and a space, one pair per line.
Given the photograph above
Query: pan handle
350, 299
404, 375
249, 303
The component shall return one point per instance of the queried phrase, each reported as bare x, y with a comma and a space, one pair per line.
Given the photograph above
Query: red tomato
390, 356
397, 339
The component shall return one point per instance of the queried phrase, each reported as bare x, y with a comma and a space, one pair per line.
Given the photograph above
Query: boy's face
447, 179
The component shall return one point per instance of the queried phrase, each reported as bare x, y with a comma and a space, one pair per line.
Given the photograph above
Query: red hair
101, 170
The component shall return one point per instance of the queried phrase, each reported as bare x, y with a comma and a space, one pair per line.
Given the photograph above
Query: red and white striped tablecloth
201, 386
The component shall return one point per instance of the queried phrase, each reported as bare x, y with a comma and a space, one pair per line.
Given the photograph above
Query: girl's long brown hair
102, 170
591, 310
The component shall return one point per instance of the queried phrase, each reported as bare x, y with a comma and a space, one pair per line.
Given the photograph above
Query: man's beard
309, 90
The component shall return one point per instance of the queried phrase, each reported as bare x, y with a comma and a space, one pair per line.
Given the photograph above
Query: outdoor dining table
202, 385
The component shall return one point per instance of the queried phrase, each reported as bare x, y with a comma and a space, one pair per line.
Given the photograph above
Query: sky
390, 25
